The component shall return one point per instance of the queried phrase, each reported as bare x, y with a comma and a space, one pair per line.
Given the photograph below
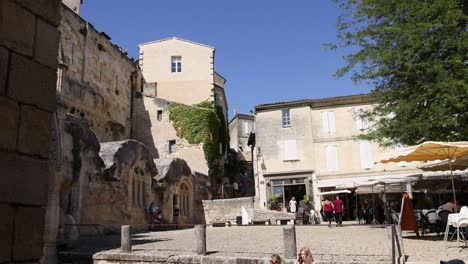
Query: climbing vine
202, 123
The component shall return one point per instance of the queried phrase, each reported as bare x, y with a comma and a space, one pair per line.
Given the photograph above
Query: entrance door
298, 191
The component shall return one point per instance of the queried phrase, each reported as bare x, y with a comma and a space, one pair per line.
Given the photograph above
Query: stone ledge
168, 257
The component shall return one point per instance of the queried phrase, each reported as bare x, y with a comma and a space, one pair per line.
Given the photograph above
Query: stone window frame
176, 64
286, 117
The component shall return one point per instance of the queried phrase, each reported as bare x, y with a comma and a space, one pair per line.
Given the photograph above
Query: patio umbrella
430, 150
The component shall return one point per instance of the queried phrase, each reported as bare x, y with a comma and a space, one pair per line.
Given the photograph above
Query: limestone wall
28, 46
156, 131
95, 78
226, 209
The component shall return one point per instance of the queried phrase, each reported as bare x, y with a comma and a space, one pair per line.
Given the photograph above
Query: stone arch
185, 200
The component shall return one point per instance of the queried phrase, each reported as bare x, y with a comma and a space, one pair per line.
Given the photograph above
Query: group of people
304, 256
333, 209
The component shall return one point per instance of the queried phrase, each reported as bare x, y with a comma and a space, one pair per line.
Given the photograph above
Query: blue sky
268, 50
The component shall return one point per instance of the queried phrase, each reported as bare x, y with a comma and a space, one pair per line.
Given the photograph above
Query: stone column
289, 237
126, 239
200, 237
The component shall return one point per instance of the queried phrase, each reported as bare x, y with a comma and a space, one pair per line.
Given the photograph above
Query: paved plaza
350, 243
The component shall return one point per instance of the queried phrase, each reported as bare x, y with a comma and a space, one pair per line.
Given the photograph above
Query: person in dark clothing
328, 210
338, 205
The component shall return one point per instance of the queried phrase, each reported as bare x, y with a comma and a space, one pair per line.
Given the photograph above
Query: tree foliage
415, 54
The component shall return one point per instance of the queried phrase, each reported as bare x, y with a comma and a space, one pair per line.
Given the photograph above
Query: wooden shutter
331, 156
365, 151
290, 152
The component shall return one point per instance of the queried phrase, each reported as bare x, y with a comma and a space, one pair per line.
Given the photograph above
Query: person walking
328, 210
338, 204
293, 205
304, 256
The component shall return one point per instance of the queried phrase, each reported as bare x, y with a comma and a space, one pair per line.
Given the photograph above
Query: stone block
9, 118
28, 233
23, 179
35, 133
3, 69
31, 83
6, 231
48, 10
17, 27
47, 42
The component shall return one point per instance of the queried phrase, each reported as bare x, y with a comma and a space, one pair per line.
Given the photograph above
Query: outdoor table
453, 220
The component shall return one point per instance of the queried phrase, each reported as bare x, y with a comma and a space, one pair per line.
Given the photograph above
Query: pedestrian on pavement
275, 259
328, 210
304, 256
293, 205
338, 204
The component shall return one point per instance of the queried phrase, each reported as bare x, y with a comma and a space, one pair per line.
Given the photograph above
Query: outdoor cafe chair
429, 221
457, 220
443, 217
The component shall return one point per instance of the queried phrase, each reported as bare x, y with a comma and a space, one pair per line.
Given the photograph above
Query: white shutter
331, 122
325, 122
328, 122
246, 128
331, 156
365, 151
362, 123
290, 152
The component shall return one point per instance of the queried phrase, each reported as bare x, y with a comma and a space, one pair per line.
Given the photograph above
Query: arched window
184, 199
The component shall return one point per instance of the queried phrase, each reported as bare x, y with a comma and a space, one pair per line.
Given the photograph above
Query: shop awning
352, 182
334, 192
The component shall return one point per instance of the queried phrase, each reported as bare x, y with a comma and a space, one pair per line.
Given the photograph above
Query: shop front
286, 186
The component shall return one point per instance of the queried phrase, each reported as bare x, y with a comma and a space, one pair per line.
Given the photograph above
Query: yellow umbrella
430, 150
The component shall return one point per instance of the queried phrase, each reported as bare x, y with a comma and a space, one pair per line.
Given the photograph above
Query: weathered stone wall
172, 174
95, 78
28, 46
226, 209
156, 132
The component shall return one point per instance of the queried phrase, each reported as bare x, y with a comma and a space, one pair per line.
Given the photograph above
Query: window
365, 150
176, 64
246, 128
172, 146
159, 115
331, 156
328, 122
286, 118
290, 152
184, 200
362, 123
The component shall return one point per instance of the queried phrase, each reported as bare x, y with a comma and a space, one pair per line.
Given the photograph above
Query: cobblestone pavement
431, 249
359, 243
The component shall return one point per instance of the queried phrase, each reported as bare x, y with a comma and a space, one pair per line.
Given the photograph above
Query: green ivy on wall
202, 123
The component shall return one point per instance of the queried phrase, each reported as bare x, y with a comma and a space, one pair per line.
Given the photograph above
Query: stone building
28, 60
309, 146
175, 70
241, 128
95, 79
182, 71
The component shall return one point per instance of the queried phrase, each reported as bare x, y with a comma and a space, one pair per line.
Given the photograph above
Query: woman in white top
293, 205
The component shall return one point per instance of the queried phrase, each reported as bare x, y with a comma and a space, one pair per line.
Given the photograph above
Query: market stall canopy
459, 164
429, 150
345, 183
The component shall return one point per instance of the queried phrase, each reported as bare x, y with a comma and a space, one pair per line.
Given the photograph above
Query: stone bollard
126, 239
289, 237
200, 237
